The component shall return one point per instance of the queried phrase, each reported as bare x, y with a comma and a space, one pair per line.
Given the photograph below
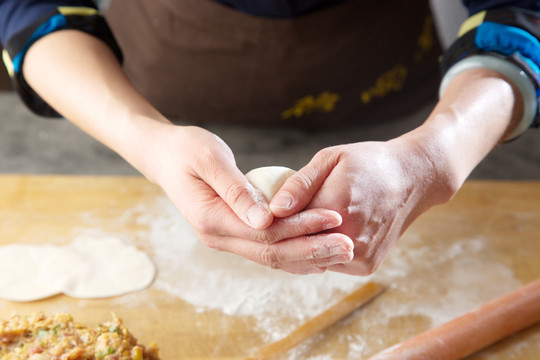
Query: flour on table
86, 268
213, 280
191, 271
280, 302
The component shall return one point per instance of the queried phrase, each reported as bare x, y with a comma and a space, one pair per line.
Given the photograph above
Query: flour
192, 272
279, 302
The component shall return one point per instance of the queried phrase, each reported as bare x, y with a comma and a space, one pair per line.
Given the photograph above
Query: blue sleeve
16, 15
23, 22
506, 29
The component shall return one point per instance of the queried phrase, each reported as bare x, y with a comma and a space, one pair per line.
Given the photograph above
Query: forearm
80, 77
478, 110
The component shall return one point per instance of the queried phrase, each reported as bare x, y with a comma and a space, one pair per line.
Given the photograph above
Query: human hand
197, 170
379, 189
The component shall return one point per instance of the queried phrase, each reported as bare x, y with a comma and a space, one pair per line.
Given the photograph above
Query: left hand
379, 189
198, 172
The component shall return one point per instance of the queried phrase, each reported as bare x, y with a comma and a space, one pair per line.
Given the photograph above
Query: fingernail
327, 251
282, 201
316, 270
331, 224
257, 216
339, 250
340, 259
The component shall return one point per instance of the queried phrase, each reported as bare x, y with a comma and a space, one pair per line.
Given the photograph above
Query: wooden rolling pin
330, 316
474, 330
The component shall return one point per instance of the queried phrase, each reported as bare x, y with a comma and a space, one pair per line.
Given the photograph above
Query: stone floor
33, 145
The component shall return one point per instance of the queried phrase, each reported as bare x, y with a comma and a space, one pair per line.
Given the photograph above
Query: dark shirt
22, 22
279, 8
475, 6
16, 15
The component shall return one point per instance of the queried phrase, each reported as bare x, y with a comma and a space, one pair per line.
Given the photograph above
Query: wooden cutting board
483, 243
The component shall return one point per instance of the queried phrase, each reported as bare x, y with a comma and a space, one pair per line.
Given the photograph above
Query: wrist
141, 141
429, 165
477, 111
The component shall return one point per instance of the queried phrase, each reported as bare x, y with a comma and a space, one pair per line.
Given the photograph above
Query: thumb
300, 188
238, 193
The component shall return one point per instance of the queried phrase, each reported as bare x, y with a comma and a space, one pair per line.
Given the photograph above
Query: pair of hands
342, 212
347, 207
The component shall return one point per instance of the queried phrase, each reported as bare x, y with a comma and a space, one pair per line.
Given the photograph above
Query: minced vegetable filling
58, 337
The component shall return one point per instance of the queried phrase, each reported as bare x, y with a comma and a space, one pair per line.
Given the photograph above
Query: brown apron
200, 61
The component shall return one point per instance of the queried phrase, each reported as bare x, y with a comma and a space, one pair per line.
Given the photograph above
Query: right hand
198, 172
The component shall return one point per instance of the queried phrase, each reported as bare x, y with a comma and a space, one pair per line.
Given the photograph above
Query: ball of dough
269, 179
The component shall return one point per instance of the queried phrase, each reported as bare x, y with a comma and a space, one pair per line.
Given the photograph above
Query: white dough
269, 179
86, 268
